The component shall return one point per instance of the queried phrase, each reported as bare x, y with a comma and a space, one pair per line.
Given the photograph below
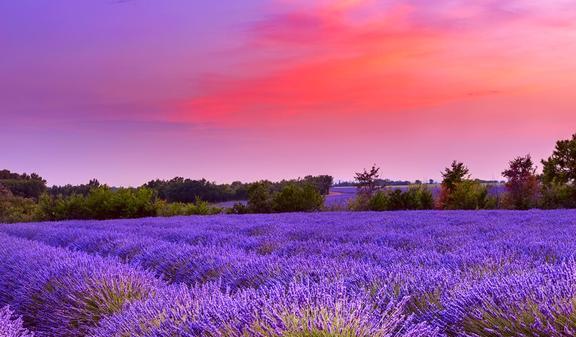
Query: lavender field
395, 274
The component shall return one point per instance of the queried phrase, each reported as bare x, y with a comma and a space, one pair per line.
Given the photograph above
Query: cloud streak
363, 57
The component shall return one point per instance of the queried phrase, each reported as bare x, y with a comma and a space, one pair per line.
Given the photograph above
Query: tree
367, 181
452, 176
522, 183
559, 175
322, 183
561, 166
298, 198
260, 198
467, 194
23, 185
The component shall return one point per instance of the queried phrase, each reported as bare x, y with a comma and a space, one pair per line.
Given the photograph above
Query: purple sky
128, 91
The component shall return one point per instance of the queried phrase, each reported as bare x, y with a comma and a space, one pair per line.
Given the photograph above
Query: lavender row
459, 274
63, 293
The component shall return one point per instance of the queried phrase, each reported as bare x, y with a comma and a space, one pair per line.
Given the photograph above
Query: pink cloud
389, 61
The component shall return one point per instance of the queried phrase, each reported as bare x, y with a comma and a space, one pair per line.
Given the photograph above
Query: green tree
23, 185
522, 183
468, 195
451, 177
454, 174
559, 175
260, 198
14, 208
298, 198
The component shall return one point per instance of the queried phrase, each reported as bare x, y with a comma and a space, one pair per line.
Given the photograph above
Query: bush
100, 204
298, 198
558, 195
260, 198
238, 208
15, 209
419, 198
23, 185
467, 195
379, 202
416, 198
199, 207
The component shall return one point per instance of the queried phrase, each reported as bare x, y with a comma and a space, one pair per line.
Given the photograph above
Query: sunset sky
132, 90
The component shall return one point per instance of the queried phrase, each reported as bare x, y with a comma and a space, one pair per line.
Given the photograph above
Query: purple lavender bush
297, 310
61, 293
423, 273
11, 326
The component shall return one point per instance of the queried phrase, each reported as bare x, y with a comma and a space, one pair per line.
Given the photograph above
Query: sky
132, 90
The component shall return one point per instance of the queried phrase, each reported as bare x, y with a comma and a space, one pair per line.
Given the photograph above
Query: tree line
26, 197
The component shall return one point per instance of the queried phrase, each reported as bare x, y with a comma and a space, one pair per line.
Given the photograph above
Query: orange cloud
341, 65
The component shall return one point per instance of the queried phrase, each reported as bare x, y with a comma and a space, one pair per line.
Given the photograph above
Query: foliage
291, 198
380, 201
100, 203
321, 183
522, 185
559, 175
561, 165
260, 198
366, 181
199, 207
468, 195
298, 198
238, 208
23, 185
558, 195
417, 197
15, 209
454, 174
187, 190
69, 190
461, 192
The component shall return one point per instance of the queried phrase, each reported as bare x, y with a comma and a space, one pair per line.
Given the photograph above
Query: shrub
298, 310
260, 198
467, 195
396, 200
419, 197
361, 203
101, 203
64, 293
535, 304
15, 209
238, 208
298, 198
379, 202
558, 195
199, 207
416, 198
23, 185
